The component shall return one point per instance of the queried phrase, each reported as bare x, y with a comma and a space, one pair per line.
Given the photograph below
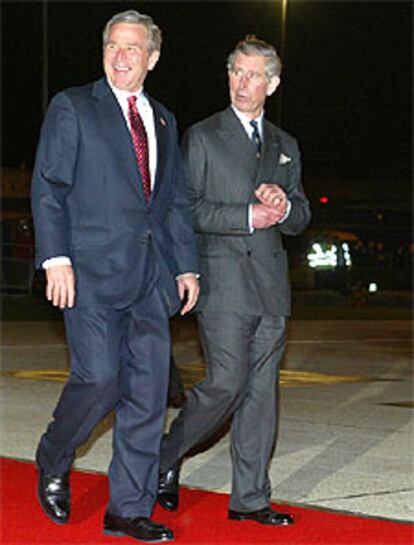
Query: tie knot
255, 125
132, 104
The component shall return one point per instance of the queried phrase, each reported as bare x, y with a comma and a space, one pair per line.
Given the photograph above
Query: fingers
181, 289
278, 202
271, 195
268, 191
271, 198
192, 296
265, 216
188, 291
60, 286
186, 308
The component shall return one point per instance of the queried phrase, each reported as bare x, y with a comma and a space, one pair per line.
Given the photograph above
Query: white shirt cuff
58, 260
288, 209
250, 218
188, 274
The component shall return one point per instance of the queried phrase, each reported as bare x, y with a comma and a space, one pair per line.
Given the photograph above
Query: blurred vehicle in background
17, 239
17, 254
342, 261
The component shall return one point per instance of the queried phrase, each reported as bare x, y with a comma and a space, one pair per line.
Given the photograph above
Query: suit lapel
161, 133
237, 142
270, 154
114, 130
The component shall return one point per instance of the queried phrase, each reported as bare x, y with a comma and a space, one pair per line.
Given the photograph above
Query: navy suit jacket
88, 203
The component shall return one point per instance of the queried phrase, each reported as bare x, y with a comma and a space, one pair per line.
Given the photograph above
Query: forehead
257, 63
130, 32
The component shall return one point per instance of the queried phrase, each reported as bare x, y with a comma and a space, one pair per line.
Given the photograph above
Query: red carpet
201, 518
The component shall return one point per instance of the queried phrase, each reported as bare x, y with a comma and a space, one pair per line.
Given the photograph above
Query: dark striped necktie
256, 138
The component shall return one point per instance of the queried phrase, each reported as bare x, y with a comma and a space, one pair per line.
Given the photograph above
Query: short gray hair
254, 46
133, 17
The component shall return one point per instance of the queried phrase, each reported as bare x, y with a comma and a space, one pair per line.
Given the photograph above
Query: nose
243, 81
120, 55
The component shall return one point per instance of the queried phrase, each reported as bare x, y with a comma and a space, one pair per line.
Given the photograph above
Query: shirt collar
245, 121
122, 95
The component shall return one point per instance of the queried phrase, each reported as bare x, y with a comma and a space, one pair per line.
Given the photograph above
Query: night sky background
346, 83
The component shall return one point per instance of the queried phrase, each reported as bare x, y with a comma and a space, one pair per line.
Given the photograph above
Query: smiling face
249, 85
126, 58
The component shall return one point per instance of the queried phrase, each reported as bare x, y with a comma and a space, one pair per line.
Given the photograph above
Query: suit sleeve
180, 218
300, 213
209, 216
53, 179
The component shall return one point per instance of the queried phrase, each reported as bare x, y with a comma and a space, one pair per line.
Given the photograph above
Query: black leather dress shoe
263, 516
140, 528
54, 496
168, 489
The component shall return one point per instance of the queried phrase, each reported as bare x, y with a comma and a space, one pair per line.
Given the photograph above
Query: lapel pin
163, 122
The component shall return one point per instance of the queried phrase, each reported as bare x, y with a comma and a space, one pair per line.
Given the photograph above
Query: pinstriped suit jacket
241, 271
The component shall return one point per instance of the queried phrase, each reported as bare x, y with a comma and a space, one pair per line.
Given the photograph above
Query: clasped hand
272, 207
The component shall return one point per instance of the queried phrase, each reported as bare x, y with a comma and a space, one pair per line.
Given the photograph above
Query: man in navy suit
120, 258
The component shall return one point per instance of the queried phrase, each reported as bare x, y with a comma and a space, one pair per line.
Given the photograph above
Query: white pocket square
283, 159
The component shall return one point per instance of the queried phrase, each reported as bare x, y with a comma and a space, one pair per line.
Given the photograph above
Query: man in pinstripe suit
245, 185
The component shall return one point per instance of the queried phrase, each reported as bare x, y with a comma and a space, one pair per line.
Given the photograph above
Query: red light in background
324, 200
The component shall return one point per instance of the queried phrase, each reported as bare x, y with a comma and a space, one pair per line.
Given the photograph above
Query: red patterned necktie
140, 141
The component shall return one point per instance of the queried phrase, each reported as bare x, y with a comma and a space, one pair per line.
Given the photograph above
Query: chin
242, 105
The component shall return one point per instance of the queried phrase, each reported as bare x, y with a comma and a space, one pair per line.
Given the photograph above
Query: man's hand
272, 207
272, 195
60, 286
188, 290
265, 216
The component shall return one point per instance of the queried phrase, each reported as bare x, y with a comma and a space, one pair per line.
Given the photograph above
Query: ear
153, 59
272, 85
